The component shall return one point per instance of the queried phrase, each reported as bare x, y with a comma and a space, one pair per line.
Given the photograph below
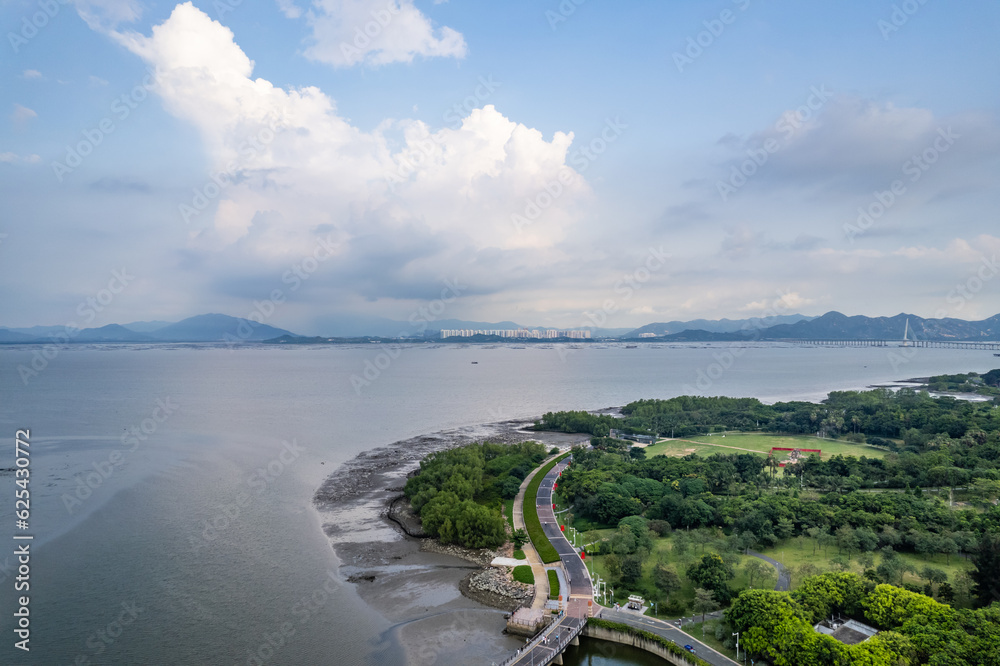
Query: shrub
519, 555
522, 574
553, 584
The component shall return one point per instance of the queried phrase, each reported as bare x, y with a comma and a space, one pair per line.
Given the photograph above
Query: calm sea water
172, 488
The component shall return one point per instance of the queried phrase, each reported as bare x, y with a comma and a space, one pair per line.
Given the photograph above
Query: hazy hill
836, 326
146, 326
111, 333
715, 325
215, 328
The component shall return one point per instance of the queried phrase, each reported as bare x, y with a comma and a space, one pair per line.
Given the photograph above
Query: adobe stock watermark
223, 7
956, 298
562, 13
580, 160
100, 640
900, 16
33, 24
252, 146
420, 318
294, 277
704, 39
365, 36
726, 358
624, 288
87, 484
256, 484
88, 308
121, 109
915, 168
788, 124
303, 611
420, 152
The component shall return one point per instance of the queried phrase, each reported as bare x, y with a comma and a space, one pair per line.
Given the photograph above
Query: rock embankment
494, 587
401, 513
480, 556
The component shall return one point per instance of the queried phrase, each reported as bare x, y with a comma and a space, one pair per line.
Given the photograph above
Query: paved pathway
784, 578
535, 562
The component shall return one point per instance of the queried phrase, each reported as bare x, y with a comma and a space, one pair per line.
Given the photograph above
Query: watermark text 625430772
22, 549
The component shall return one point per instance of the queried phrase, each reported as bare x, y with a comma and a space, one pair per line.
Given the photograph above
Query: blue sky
541, 159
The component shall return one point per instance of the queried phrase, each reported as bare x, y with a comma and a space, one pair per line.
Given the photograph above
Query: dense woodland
872, 511
457, 493
914, 628
878, 416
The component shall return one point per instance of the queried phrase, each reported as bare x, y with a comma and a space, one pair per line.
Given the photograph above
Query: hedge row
553, 584
532, 524
665, 642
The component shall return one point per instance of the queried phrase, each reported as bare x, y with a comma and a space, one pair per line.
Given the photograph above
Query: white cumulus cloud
428, 197
377, 32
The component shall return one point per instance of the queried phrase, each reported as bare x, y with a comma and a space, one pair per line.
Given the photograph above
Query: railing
552, 649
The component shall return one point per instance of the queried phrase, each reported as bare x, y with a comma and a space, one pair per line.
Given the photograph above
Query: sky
557, 164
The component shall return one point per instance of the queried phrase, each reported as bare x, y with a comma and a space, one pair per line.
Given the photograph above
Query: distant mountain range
831, 326
837, 326
201, 328
715, 325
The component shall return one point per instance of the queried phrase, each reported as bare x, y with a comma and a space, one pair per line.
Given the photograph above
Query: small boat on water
475, 363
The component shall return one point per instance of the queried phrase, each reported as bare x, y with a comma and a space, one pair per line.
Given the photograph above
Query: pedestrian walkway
532, 558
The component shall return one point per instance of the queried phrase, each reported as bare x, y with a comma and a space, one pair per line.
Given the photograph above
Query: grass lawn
799, 550
705, 445
662, 552
522, 574
508, 512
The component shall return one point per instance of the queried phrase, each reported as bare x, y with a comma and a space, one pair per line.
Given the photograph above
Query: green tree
847, 539
934, 577
756, 570
631, 569
666, 579
986, 574
803, 571
814, 533
704, 602
614, 566
784, 529
711, 573
477, 526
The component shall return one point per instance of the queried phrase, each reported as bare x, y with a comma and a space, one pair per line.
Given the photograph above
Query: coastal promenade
531, 555
547, 646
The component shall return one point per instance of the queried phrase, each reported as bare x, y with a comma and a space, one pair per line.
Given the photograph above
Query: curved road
581, 591
784, 578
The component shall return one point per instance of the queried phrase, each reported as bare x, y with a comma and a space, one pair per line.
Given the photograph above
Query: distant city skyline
561, 165
535, 334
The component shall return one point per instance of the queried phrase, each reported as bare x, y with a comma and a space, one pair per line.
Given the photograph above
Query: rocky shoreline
490, 586
494, 587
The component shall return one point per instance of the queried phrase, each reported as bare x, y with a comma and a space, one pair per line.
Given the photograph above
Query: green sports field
706, 445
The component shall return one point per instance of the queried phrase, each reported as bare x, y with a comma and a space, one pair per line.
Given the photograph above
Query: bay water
172, 486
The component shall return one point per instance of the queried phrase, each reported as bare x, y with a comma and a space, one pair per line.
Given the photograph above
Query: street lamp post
737, 634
